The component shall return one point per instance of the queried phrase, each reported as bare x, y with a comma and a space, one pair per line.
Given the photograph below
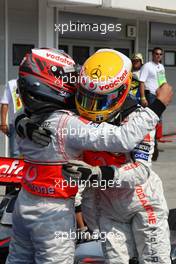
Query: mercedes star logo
95, 73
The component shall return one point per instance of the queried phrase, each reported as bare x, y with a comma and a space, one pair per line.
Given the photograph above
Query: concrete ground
165, 167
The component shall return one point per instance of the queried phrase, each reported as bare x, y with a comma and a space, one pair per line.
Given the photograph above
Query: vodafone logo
115, 82
60, 59
31, 173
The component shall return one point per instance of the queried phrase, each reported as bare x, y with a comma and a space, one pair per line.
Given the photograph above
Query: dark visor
96, 102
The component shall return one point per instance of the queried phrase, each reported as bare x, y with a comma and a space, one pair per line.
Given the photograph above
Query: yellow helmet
105, 80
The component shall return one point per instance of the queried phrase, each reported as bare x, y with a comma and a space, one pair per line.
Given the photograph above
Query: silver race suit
40, 222
131, 217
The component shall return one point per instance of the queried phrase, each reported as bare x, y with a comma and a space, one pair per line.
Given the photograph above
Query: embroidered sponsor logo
131, 166
141, 155
31, 173
48, 190
152, 218
153, 242
144, 147
46, 124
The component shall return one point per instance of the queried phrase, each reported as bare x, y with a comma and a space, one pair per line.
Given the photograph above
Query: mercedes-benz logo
95, 73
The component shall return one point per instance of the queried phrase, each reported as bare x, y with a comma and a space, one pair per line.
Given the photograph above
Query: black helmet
47, 80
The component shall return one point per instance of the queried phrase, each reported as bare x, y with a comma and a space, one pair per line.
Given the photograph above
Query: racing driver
133, 210
44, 197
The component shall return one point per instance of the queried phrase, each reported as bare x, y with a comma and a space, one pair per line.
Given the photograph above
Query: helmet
138, 56
44, 82
105, 80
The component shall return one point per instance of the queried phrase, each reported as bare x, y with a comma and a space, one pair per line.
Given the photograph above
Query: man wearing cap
137, 62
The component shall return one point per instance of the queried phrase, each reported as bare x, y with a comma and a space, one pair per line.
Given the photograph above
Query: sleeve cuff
78, 209
18, 118
107, 173
157, 107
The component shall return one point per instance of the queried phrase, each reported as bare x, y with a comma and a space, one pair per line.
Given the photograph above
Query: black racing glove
25, 127
86, 175
133, 261
127, 108
81, 172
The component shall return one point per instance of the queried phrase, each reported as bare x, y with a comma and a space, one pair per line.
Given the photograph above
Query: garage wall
2, 62
139, 5
2, 42
23, 27
142, 36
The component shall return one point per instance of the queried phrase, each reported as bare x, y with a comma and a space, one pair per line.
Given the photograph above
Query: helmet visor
96, 102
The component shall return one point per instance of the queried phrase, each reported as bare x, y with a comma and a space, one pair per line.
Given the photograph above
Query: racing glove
133, 261
128, 175
25, 127
82, 172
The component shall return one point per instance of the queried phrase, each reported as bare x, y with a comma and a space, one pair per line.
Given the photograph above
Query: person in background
137, 62
152, 75
10, 104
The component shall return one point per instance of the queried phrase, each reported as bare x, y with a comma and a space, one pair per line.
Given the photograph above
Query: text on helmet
59, 58
115, 82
